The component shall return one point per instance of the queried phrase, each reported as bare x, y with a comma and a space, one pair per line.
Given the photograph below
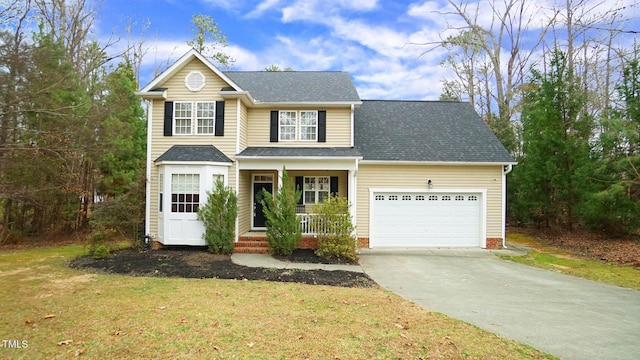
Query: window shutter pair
274, 126
168, 118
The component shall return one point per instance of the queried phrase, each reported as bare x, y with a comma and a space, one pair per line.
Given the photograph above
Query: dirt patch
595, 246
198, 263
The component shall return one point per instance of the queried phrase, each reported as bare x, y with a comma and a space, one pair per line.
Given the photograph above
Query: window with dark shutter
273, 128
219, 118
168, 118
322, 126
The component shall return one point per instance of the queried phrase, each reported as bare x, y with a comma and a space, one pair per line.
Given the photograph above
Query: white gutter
454, 163
147, 206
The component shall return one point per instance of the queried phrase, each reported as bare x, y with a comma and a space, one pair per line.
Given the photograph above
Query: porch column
279, 179
352, 196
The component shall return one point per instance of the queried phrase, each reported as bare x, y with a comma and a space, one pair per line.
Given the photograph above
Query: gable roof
437, 131
297, 86
204, 153
184, 60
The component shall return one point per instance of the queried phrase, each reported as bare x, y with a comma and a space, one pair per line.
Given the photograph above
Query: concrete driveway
563, 315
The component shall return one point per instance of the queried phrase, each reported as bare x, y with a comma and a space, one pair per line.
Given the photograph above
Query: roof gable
180, 64
437, 131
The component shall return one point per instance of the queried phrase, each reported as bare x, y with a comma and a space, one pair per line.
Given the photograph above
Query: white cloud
262, 8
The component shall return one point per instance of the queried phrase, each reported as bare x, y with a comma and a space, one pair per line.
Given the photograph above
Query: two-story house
416, 173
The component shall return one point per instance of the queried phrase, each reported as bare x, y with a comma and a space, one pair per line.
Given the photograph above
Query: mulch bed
194, 262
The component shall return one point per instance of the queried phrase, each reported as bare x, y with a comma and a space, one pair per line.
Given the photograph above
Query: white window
205, 117
182, 118
185, 193
298, 125
201, 121
308, 125
288, 124
316, 189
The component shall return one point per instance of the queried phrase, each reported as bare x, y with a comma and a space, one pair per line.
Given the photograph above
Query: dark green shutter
273, 128
168, 118
219, 118
333, 185
322, 126
300, 186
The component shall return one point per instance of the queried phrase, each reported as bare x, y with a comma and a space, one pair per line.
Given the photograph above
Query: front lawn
59, 312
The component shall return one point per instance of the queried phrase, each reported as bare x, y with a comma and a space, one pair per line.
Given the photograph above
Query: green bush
335, 230
283, 226
101, 252
219, 217
97, 238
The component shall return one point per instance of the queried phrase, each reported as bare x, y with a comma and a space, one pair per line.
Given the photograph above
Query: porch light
429, 183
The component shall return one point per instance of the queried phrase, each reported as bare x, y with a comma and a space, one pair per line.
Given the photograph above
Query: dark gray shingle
301, 152
425, 131
296, 86
207, 153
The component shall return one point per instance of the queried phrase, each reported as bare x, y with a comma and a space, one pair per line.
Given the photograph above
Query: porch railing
311, 224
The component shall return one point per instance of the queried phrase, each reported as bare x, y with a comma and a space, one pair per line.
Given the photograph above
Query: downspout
237, 167
352, 124
147, 206
505, 170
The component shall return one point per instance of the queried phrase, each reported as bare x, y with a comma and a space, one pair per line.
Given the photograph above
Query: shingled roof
300, 152
425, 131
297, 86
205, 153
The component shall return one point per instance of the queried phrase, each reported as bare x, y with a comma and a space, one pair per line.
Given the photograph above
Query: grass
552, 258
64, 313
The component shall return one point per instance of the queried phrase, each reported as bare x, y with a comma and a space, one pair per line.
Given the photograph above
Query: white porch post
279, 179
351, 197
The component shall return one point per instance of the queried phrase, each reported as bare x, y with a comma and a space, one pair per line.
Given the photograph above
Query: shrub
219, 217
101, 252
335, 230
97, 239
283, 226
123, 213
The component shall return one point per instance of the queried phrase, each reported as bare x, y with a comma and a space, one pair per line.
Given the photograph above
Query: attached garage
427, 219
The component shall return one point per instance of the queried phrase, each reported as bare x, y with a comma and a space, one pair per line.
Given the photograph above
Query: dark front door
259, 221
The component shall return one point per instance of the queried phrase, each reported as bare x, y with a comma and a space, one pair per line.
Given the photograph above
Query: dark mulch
198, 263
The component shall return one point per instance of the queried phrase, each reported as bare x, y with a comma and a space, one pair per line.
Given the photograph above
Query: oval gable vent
194, 81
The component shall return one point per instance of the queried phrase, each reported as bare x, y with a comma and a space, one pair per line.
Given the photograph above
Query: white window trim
317, 191
297, 136
295, 125
315, 126
194, 118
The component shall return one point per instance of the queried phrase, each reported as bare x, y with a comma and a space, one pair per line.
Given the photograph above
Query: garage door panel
422, 220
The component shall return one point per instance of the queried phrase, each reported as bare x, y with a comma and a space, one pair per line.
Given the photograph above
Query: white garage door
425, 219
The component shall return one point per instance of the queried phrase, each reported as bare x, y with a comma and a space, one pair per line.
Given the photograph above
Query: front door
259, 220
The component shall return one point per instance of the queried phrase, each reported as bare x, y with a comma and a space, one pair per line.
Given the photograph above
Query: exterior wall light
430, 183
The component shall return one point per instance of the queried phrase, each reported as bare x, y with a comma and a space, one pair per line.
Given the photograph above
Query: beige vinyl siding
443, 177
177, 91
338, 128
245, 207
244, 127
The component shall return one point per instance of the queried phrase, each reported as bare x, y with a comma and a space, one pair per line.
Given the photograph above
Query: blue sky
371, 39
